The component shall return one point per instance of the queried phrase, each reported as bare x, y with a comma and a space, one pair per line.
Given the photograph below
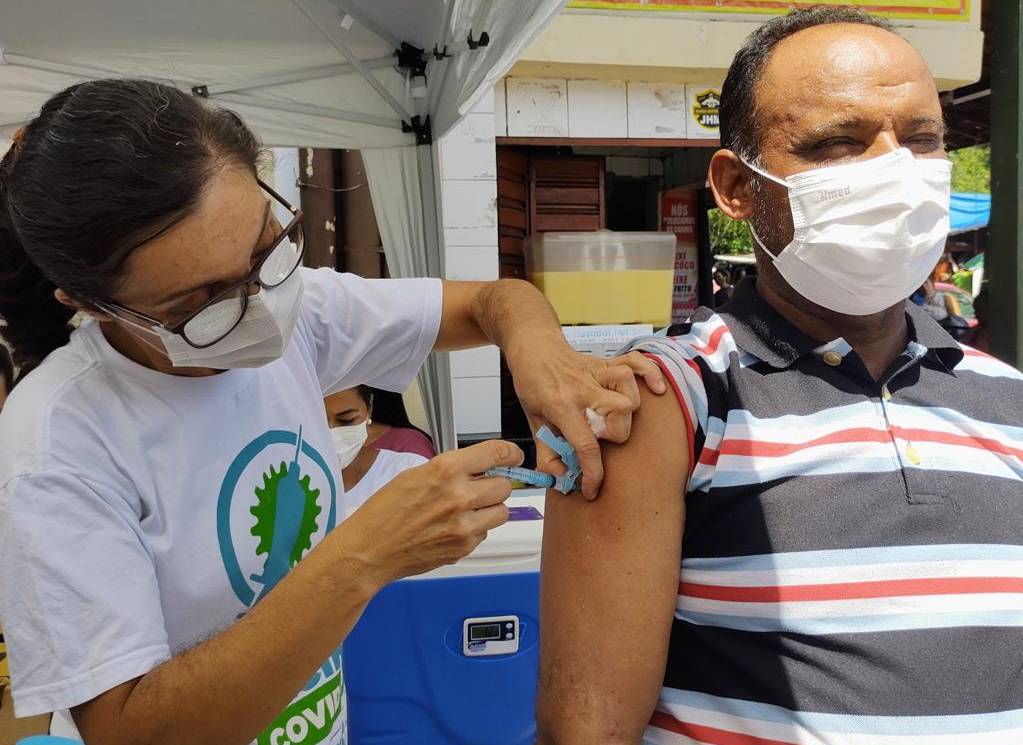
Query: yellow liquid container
611, 297
604, 277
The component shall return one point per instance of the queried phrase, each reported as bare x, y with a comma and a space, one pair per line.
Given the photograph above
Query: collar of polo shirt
766, 334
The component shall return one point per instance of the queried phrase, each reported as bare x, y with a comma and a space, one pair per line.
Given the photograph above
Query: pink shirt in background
401, 440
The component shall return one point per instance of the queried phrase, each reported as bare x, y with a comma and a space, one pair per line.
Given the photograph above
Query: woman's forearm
228, 689
507, 313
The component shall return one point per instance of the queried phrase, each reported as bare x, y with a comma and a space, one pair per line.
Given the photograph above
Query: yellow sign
917, 10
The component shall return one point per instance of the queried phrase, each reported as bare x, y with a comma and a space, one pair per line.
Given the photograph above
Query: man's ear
65, 299
731, 182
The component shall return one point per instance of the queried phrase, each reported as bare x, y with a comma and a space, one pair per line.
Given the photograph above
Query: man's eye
835, 142
930, 142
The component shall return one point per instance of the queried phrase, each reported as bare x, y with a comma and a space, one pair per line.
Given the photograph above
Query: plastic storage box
604, 277
451, 657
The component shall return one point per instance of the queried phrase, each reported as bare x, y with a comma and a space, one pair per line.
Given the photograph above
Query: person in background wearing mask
391, 428
174, 563
840, 482
364, 468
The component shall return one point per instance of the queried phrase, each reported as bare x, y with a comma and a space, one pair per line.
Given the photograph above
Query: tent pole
85, 73
325, 22
327, 113
300, 76
76, 71
428, 188
433, 236
1005, 247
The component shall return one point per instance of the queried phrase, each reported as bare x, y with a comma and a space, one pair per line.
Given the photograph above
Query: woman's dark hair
388, 408
6, 369
106, 166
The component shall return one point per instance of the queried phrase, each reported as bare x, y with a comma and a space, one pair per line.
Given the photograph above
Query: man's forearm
228, 689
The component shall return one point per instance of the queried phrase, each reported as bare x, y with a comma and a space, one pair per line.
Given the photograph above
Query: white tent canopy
310, 73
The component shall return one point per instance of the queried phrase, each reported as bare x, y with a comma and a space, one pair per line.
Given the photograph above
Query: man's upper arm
609, 585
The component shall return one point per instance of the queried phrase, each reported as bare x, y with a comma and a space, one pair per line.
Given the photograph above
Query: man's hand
557, 385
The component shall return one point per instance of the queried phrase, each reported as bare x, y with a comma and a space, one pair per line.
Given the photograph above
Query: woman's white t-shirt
142, 513
386, 466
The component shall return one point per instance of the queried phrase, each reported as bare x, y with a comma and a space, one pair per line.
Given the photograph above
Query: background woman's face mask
349, 441
867, 234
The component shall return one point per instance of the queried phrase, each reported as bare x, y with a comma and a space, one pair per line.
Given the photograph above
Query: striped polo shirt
852, 567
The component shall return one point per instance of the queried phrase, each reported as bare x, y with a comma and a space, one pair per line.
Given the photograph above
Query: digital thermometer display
485, 633
490, 636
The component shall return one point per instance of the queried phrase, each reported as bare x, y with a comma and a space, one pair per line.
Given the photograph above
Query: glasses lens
216, 321
284, 259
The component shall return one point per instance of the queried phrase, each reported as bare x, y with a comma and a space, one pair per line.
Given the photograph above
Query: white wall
468, 170
551, 107
691, 47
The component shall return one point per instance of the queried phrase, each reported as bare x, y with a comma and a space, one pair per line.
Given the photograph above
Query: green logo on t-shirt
286, 501
285, 513
285, 508
308, 720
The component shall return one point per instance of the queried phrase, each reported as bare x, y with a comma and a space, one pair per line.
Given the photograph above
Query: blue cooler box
450, 657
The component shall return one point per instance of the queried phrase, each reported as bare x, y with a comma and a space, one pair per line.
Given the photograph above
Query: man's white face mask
867, 234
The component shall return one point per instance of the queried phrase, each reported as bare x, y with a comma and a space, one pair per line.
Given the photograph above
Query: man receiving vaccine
838, 479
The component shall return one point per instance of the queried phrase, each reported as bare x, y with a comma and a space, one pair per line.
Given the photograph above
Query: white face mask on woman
349, 441
867, 234
261, 336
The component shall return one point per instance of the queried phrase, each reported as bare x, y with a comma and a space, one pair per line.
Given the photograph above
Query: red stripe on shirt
948, 438
765, 449
709, 735
709, 457
687, 415
776, 449
854, 590
711, 347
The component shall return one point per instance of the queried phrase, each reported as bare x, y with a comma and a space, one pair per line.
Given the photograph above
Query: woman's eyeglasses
221, 314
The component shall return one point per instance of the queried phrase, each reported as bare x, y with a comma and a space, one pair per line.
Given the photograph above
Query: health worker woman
173, 563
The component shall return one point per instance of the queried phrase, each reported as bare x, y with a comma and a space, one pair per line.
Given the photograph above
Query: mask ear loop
160, 349
765, 174
763, 246
749, 224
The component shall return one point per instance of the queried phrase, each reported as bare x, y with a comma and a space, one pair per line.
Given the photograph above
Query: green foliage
971, 169
728, 236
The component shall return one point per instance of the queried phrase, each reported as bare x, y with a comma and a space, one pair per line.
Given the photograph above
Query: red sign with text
678, 216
